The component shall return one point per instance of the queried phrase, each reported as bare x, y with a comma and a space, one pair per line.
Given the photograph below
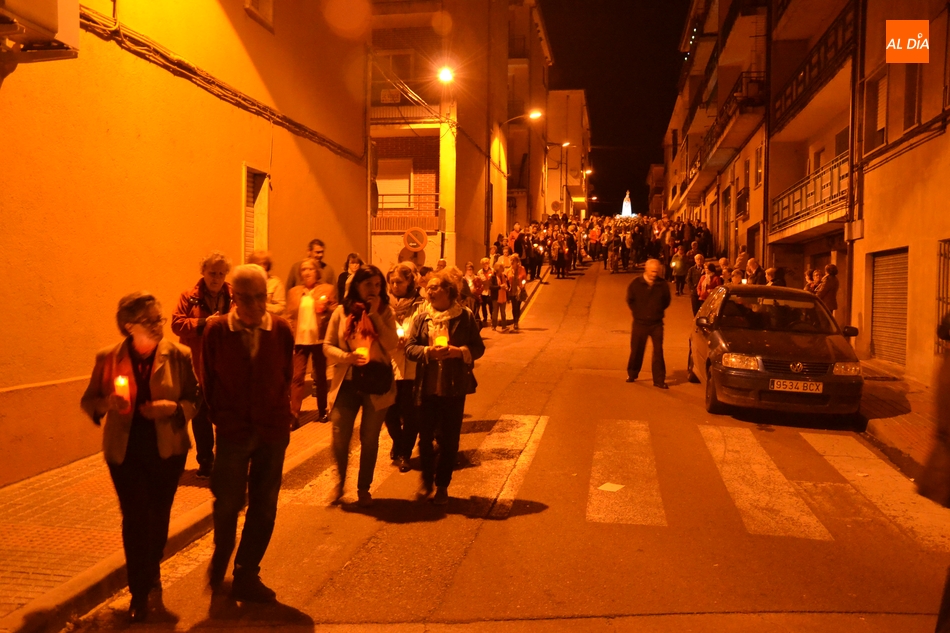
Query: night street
584, 503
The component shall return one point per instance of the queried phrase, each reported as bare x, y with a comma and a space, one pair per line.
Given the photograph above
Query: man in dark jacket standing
248, 370
648, 297
693, 275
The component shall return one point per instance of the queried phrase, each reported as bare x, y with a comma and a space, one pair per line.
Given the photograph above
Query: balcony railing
820, 192
819, 67
780, 7
409, 201
748, 92
517, 47
737, 8
386, 93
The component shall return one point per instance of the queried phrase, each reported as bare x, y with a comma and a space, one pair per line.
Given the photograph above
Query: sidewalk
900, 412
61, 531
61, 540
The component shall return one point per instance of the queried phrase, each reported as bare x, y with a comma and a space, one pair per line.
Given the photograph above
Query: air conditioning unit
39, 30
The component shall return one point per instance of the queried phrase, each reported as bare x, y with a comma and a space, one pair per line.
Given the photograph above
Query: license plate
796, 386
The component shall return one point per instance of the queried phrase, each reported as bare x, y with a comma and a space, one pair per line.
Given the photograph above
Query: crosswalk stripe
892, 493
766, 500
623, 456
506, 498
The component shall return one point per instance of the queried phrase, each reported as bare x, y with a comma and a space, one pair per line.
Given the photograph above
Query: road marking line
623, 454
509, 492
495, 458
766, 500
885, 487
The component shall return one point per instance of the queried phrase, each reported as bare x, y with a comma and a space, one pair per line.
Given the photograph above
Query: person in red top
198, 307
247, 362
593, 238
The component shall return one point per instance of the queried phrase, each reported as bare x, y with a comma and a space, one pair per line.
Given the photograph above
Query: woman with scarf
445, 341
402, 418
499, 287
517, 279
361, 337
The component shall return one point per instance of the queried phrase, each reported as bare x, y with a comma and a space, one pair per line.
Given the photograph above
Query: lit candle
399, 331
442, 341
362, 351
122, 386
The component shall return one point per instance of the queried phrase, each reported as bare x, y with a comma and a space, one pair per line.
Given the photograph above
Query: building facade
129, 164
568, 153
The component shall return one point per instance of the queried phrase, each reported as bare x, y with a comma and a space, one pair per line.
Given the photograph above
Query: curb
54, 609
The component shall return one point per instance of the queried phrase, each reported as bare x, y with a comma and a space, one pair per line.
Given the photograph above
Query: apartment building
901, 228
529, 60
656, 190
714, 144
126, 164
442, 154
568, 167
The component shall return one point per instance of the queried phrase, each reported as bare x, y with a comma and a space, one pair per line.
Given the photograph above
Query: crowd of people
397, 348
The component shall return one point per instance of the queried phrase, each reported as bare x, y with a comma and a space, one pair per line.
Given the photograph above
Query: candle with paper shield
362, 351
122, 389
441, 336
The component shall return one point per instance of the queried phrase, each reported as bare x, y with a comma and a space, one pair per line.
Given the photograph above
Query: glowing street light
588, 171
535, 114
594, 198
566, 144
446, 75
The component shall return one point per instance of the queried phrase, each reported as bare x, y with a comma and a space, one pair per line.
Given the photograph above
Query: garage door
889, 307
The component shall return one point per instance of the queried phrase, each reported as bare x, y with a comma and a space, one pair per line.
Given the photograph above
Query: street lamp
533, 115
446, 75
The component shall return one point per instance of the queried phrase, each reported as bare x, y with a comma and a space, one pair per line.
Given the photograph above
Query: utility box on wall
39, 30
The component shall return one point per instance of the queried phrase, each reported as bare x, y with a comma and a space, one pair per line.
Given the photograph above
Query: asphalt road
584, 503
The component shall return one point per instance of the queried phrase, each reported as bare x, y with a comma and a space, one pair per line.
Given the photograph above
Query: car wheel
713, 405
690, 374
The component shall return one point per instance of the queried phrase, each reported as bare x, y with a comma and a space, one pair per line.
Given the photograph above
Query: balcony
806, 208
738, 118
386, 93
819, 67
399, 212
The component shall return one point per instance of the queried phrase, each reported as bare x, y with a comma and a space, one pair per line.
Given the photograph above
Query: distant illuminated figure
627, 208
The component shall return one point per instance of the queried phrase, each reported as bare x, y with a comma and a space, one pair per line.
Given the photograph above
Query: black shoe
138, 609
204, 470
403, 464
441, 497
631, 378
324, 417
249, 588
216, 573
662, 385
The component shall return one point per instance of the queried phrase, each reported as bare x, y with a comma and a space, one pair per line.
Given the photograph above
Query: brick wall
424, 152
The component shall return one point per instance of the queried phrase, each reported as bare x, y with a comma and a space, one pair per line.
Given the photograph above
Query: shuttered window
256, 198
889, 307
881, 103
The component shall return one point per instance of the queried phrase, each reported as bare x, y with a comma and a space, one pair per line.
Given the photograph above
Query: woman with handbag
143, 391
517, 280
361, 337
445, 342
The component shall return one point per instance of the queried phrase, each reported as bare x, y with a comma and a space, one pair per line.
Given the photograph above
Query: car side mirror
849, 331
702, 322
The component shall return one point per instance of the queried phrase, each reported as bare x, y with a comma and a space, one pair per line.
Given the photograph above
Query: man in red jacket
248, 369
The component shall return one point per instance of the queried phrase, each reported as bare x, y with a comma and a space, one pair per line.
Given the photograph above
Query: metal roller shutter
889, 307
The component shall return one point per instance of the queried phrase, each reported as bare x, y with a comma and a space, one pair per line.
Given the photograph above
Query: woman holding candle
471, 289
361, 330
445, 341
145, 390
402, 418
484, 276
309, 307
517, 280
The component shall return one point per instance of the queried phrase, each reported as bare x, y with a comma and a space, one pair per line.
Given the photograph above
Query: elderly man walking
648, 297
248, 370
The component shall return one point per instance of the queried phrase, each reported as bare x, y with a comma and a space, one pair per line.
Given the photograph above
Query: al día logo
908, 41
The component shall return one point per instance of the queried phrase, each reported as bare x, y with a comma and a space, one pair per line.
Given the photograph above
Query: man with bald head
648, 297
248, 370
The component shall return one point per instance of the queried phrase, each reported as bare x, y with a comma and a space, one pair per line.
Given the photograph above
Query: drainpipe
856, 182
767, 144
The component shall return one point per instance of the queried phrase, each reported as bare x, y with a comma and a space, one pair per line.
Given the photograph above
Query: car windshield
778, 314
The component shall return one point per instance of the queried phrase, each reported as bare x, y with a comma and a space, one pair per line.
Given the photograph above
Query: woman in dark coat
445, 342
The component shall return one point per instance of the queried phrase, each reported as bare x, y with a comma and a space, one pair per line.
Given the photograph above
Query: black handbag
374, 378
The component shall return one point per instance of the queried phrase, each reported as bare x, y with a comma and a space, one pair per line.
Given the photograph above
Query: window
875, 112
943, 294
675, 142
262, 12
398, 63
842, 141
256, 200
912, 76
759, 165
746, 168
816, 159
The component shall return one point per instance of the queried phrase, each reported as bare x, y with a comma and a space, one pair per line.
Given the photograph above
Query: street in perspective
469, 315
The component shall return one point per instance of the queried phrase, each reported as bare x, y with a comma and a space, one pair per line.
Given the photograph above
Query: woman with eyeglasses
143, 391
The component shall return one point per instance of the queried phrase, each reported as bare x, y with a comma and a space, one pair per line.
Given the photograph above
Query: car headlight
847, 369
740, 361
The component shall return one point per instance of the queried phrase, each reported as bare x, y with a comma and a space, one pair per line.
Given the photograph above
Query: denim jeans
495, 309
252, 469
348, 403
402, 420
